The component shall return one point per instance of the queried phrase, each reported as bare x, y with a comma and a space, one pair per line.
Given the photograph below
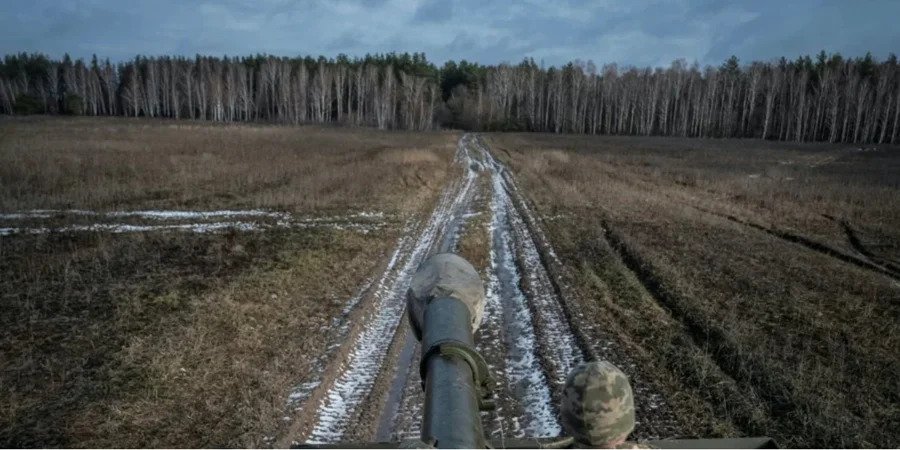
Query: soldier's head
597, 405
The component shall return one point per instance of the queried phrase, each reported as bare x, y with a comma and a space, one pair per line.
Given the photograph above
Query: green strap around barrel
482, 378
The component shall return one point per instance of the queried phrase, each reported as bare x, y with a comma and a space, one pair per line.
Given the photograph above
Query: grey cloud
344, 42
792, 29
629, 32
434, 11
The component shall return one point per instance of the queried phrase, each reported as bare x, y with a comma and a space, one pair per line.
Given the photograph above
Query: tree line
826, 98
386, 91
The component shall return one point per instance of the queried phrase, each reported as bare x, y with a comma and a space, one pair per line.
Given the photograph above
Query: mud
370, 388
358, 375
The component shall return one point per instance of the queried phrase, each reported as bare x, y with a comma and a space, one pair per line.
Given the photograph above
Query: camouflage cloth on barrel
597, 406
445, 275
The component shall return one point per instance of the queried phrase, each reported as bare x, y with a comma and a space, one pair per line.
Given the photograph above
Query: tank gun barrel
445, 303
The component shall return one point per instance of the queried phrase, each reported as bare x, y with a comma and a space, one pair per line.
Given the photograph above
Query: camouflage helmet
597, 405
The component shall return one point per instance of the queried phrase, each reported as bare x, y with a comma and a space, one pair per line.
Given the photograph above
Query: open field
121, 164
166, 328
755, 284
184, 284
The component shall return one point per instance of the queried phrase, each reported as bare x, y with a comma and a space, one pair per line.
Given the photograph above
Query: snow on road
540, 346
336, 412
525, 337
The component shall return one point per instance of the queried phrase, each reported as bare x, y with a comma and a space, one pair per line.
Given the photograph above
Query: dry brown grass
176, 339
120, 163
747, 331
807, 188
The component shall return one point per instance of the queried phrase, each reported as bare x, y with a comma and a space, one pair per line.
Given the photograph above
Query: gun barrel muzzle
445, 302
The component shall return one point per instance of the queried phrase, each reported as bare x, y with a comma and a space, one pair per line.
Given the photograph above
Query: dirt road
370, 389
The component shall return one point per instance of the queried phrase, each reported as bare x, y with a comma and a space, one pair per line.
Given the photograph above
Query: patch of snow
370, 348
185, 215
24, 215
363, 222
129, 228
192, 215
146, 214
556, 343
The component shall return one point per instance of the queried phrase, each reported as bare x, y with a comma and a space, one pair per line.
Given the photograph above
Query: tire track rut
526, 336
810, 244
342, 400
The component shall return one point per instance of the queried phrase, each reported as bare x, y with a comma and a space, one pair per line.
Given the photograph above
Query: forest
822, 98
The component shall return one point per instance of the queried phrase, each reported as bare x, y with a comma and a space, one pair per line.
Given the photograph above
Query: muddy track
546, 341
656, 419
370, 388
525, 337
402, 401
353, 378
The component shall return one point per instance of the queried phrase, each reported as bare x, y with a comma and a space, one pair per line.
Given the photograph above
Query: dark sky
629, 32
